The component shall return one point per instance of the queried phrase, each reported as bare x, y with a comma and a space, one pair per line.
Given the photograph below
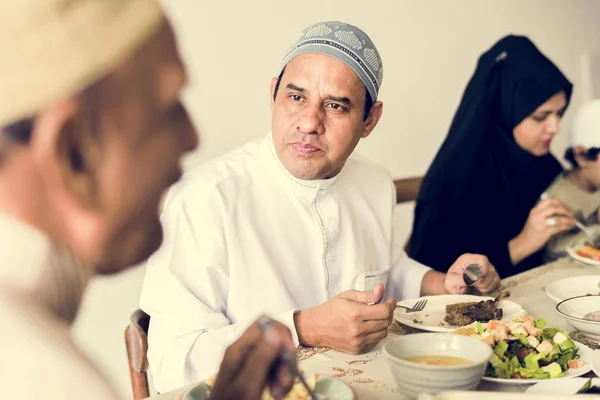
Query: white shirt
40, 292
243, 237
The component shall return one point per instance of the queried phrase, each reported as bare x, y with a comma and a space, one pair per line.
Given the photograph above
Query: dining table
369, 374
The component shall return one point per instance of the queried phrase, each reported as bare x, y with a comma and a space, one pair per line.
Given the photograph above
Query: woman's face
535, 133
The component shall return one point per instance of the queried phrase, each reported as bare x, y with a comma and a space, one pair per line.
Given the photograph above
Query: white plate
558, 387
574, 286
585, 354
577, 242
573, 253
432, 317
325, 386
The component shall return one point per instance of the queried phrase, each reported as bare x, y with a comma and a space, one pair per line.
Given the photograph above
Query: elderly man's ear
66, 151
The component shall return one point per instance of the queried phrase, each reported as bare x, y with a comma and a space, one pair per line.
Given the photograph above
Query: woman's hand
548, 218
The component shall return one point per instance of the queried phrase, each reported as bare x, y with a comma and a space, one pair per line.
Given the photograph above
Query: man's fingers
381, 311
236, 353
489, 284
372, 339
282, 381
484, 282
374, 326
487, 276
284, 335
259, 364
250, 336
488, 279
377, 294
367, 297
355, 295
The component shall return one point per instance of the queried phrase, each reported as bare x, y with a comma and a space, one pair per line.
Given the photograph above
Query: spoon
472, 273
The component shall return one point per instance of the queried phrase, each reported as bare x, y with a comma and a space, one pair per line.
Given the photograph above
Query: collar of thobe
302, 186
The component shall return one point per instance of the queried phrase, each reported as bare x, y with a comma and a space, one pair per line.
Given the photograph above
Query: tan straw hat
51, 49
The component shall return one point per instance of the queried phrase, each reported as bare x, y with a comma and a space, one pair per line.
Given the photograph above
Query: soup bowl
414, 378
573, 311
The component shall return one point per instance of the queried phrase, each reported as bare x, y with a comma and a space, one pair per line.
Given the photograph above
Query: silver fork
290, 360
593, 236
419, 306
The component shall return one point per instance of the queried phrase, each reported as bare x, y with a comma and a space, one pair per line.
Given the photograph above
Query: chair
136, 342
407, 189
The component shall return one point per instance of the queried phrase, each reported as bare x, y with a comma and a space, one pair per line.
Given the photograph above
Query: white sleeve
406, 275
185, 293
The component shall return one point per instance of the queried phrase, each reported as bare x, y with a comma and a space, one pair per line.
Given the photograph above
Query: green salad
526, 349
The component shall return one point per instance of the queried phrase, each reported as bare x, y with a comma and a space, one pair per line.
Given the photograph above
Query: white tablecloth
369, 373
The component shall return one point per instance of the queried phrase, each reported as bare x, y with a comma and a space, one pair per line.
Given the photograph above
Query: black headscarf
481, 186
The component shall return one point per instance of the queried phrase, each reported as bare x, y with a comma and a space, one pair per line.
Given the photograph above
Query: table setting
549, 318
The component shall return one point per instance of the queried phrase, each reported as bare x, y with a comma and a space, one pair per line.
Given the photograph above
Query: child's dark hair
591, 154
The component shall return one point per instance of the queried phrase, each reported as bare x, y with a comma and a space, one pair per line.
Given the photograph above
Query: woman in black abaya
481, 193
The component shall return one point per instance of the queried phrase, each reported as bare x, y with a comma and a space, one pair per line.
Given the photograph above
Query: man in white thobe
293, 224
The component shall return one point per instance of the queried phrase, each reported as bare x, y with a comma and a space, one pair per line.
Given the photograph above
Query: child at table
578, 188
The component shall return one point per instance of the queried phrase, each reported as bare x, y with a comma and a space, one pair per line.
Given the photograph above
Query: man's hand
253, 362
352, 322
487, 283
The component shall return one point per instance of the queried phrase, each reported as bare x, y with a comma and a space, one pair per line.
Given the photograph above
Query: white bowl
413, 378
573, 310
325, 387
573, 286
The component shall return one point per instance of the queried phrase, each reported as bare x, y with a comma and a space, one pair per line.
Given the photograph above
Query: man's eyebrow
340, 99
343, 100
294, 87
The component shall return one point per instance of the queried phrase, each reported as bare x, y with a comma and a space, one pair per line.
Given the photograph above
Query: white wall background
233, 48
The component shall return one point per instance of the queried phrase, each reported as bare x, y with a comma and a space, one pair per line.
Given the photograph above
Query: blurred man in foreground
91, 135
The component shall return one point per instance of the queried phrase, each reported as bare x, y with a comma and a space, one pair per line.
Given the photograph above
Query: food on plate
439, 360
589, 388
297, 392
589, 251
592, 316
461, 314
525, 349
466, 331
